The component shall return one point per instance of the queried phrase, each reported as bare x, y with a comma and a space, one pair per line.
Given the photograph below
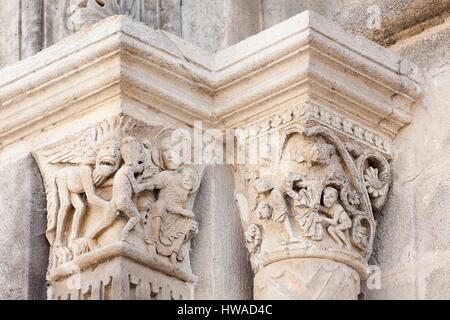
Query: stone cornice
305, 58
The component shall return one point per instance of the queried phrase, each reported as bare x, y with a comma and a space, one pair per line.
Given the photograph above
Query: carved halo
162, 139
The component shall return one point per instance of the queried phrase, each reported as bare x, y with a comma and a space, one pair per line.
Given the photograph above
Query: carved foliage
317, 195
88, 12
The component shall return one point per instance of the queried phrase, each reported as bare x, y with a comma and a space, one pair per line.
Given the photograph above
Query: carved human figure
71, 183
272, 205
253, 237
172, 223
168, 153
304, 201
340, 222
124, 187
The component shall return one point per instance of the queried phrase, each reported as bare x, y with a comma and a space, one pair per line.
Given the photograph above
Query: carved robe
175, 228
307, 216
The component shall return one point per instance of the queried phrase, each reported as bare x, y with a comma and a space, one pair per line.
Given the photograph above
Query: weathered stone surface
430, 49
411, 240
383, 21
212, 25
170, 13
23, 249
244, 20
204, 23
274, 12
220, 241
412, 243
9, 33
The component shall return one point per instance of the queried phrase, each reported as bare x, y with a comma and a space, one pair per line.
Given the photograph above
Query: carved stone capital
309, 212
119, 212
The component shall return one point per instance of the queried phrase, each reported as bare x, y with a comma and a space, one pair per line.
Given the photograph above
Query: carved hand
319, 207
148, 186
187, 213
330, 221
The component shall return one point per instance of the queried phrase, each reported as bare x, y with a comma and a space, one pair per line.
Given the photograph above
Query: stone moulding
119, 250
337, 101
121, 57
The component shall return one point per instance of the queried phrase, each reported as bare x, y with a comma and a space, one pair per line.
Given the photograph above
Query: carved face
264, 211
330, 197
171, 157
253, 234
132, 153
188, 181
108, 160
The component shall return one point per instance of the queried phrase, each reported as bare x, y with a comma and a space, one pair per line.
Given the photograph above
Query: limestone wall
28, 26
412, 243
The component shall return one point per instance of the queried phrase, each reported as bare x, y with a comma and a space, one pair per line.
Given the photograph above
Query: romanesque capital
119, 215
309, 205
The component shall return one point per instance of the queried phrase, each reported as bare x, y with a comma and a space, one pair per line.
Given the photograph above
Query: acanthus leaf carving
87, 12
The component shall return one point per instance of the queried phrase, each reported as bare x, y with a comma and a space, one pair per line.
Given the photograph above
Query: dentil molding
99, 110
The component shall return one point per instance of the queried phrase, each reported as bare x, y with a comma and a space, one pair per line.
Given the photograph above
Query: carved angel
171, 223
88, 162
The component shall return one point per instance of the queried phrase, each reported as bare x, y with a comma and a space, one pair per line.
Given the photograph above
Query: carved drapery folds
119, 191
308, 214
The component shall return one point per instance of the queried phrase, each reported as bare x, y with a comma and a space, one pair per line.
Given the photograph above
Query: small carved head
132, 154
108, 160
330, 197
253, 237
171, 157
264, 211
190, 179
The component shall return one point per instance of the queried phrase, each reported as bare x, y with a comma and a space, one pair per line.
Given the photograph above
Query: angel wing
83, 148
78, 151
